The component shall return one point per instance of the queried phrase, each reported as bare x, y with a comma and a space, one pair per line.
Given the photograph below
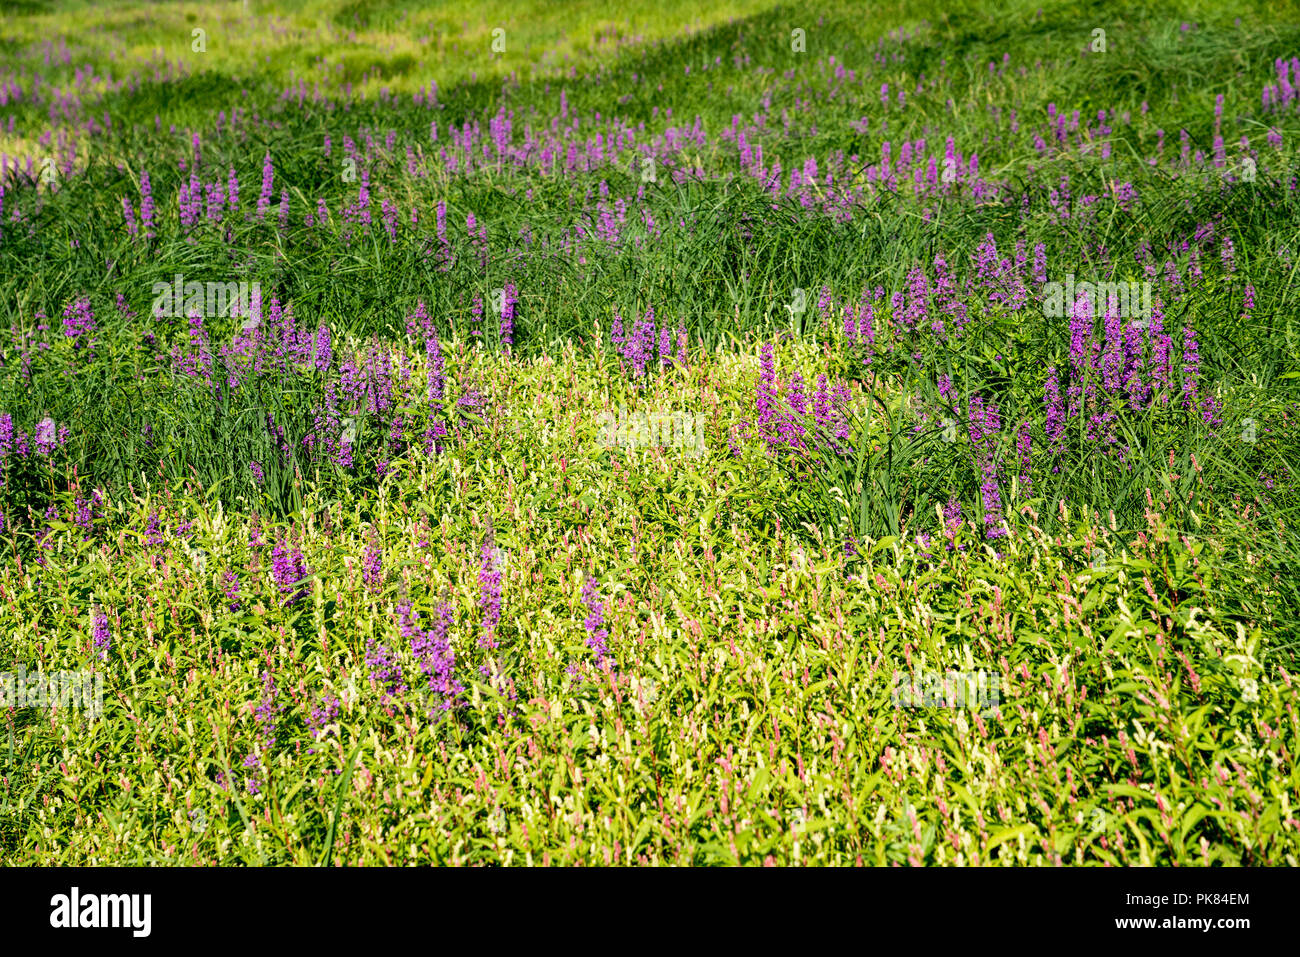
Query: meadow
522, 433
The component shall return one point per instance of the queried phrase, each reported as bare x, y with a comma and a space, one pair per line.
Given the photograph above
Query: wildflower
372, 563
268, 174
489, 580
597, 634
45, 436
101, 636
384, 669
437, 660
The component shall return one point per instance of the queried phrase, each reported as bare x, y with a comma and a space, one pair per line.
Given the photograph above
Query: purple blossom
384, 669
101, 639
597, 634
489, 581
268, 175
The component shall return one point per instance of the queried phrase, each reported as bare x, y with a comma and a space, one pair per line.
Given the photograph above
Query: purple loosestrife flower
322, 348
984, 425
616, 330
153, 535
952, 521
1055, 423
289, 570
146, 205
265, 712
84, 517
45, 437
1191, 366
384, 669
372, 563
1113, 360
1162, 348
665, 347
326, 710
232, 590
767, 395
917, 291
129, 215
78, 321
476, 316
268, 176
509, 299
101, 637
681, 346
597, 634
1024, 453
437, 659
232, 191
489, 581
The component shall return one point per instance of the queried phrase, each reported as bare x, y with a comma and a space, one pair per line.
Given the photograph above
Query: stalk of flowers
266, 711
1191, 367
389, 214
231, 584
384, 669
984, 424
79, 322
101, 638
322, 351
372, 563
509, 299
325, 711
952, 523
437, 659
489, 581
232, 191
289, 570
1055, 418
268, 176
476, 317
1024, 455
597, 634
